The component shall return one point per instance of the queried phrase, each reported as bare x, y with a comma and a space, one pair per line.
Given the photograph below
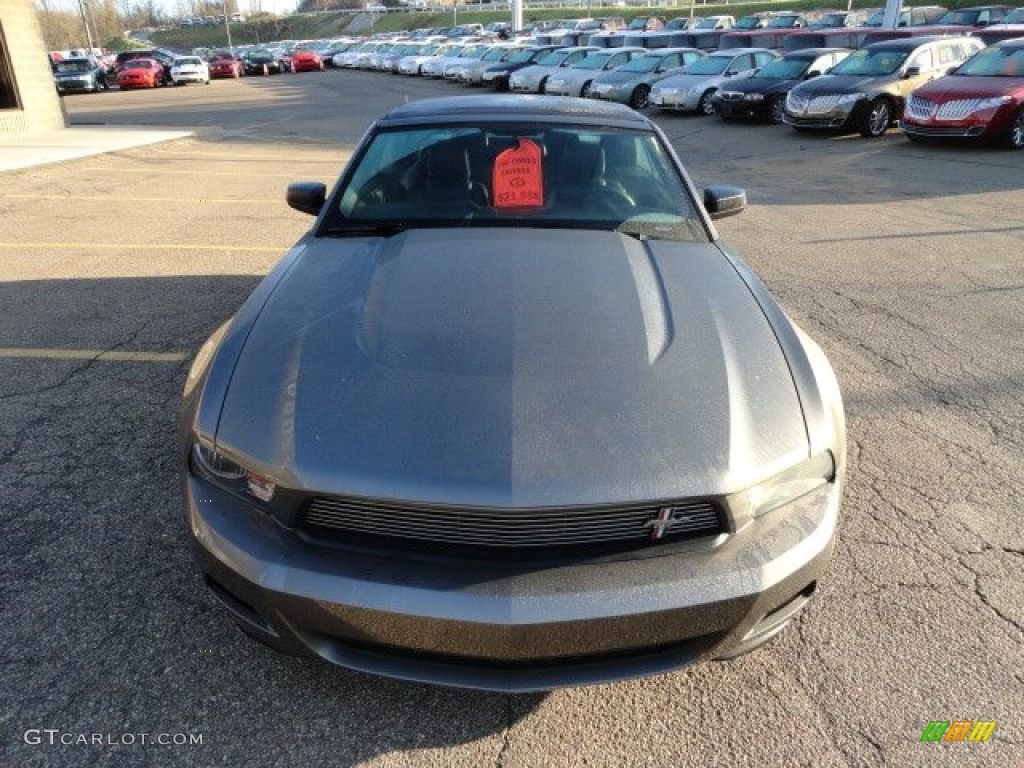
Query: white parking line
154, 246
92, 354
137, 199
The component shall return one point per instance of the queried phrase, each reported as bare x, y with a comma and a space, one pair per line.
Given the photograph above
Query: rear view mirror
307, 196
724, 201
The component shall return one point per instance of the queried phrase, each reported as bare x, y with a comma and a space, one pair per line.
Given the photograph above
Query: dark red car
140, 73
306, 60
226, 65
982, 100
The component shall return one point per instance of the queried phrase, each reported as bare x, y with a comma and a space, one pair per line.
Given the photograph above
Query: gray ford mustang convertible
511, 416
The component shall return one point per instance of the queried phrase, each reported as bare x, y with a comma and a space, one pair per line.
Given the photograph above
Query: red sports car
226, 66
982, 99
140, 73
306, 60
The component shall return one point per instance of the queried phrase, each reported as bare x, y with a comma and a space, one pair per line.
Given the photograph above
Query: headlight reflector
231, 475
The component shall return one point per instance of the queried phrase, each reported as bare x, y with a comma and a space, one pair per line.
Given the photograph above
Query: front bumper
495, 79
961, 130
619, 95
189, 77
560, 88
831, 117
76, 86
683, 101
508, 627
755, 110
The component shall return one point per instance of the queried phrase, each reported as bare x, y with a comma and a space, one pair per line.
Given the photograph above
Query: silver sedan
631, 83
576, 80
693, 88
533, 79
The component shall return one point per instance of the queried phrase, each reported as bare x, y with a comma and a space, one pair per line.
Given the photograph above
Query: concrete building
28, 100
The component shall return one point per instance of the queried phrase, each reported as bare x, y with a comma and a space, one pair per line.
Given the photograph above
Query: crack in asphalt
820, 704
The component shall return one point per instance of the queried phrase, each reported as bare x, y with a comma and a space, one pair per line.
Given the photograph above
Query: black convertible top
515, 107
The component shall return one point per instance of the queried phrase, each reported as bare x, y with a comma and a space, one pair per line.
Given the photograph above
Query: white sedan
190, 69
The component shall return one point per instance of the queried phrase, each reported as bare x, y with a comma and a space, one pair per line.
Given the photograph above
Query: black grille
349, 519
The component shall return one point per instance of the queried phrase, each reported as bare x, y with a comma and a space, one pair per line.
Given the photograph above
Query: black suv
865, 92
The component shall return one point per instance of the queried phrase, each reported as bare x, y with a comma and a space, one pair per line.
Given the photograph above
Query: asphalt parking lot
903, 261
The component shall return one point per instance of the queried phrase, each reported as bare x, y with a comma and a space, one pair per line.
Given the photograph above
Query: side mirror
910, 72
307, 196
812, 73
724, 201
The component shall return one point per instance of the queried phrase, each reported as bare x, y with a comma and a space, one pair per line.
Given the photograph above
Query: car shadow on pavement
108, 626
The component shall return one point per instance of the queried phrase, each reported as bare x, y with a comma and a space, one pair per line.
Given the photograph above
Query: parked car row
809, 88
845, 88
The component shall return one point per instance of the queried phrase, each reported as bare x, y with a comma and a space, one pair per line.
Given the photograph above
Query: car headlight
791, 484
992, 103
754, 97
230, 475
849, 98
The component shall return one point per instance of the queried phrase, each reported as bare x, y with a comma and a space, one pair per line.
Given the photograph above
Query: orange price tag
518, 181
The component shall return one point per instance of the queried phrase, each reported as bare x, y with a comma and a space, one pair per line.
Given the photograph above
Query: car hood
521, 368
960, 86
828, 84
685, 81
614, 77
761, 85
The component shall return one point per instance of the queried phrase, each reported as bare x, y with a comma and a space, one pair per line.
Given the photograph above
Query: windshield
709, 65
960, 18
784, 69
831, 21
640, 22
73, 66
679, 23
501, 175
748, 22
871, 63
521, 57
553, 59
783, 22
495, 54
707, 24
642, 64
994, 62
189, 61
1015, 17
594, 61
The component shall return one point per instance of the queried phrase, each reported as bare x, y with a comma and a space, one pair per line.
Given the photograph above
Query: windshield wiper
377, 229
